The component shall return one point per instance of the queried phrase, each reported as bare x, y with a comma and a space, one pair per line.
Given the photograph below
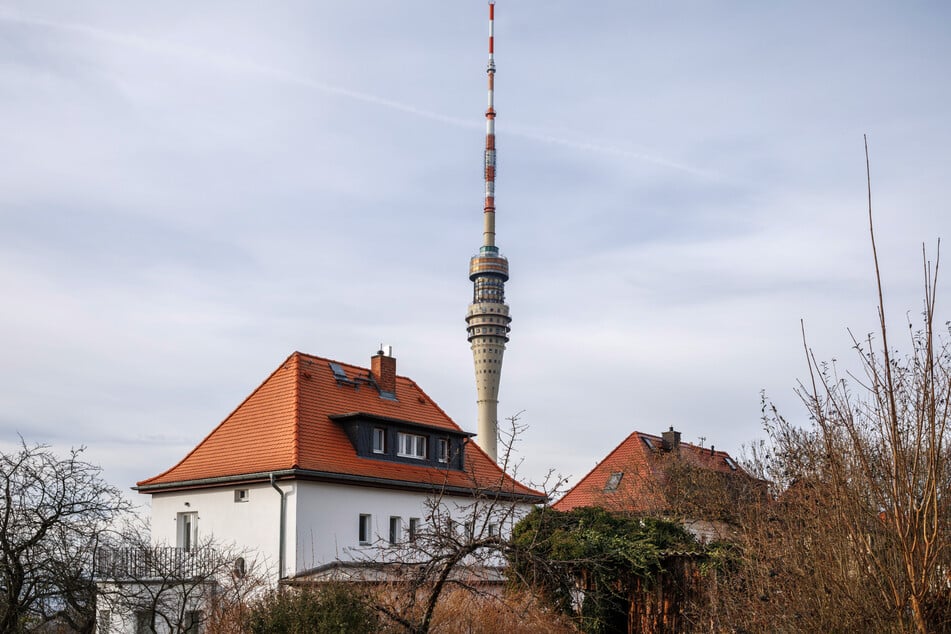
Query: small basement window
241, 495
614, 481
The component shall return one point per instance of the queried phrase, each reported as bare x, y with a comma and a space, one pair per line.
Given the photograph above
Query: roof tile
642, 466
285, 424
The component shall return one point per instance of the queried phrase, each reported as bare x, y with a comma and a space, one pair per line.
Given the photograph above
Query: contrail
235, 65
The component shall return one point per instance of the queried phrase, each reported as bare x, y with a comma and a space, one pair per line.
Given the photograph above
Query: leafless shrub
858, 535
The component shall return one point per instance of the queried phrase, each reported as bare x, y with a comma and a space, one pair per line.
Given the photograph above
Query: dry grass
465, 612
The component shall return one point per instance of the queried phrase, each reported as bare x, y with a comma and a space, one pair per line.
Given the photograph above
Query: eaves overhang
365, 416
343, 478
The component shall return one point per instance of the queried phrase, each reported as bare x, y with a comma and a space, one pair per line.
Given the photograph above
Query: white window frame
379, 440
242, 495
187, 530
365, 528
442, 449
414, 525
396, 529
411, 445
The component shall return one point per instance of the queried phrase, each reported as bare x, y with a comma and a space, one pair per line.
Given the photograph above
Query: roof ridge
296, 397
313, 357
223, 421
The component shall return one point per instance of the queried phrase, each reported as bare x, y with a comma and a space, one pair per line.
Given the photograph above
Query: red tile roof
641, 458
285, 425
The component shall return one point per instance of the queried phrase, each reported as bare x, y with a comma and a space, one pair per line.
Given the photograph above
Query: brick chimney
383, 369
671, 440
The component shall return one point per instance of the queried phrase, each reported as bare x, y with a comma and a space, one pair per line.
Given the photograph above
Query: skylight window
648, 442
614, 481
339, 374
729, 462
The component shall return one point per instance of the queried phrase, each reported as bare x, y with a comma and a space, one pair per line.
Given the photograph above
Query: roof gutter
327, 476
281, 538
261, 476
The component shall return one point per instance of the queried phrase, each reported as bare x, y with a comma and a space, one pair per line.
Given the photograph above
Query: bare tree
52, 514
460, 543
168, 589
859, 535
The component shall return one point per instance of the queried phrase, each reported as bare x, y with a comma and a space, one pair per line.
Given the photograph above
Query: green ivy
608, 555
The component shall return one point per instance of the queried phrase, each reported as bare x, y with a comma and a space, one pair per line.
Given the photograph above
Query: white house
325, 462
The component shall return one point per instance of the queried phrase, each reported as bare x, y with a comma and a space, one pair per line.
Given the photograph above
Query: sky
189, 192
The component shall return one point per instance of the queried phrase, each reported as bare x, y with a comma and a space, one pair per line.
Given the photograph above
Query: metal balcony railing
162, 562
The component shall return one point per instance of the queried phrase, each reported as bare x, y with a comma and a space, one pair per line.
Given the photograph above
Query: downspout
280, 554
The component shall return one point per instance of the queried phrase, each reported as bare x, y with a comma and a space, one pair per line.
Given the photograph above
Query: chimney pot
671, 439
383, 369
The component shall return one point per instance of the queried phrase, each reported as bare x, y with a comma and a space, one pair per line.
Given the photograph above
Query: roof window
729, 462
614, 481
338, 371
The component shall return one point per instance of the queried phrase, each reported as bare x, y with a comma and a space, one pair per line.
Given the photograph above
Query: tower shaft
488, 316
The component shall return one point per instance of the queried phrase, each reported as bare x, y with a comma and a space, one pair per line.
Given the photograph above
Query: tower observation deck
488, 316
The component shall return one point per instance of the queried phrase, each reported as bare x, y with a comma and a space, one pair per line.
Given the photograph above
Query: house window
396, 528
379, 440
493, 530
241, 495
187, 534
613, 481
104, 621
412, 445
442, 450
192, 623
729, 462
414, 526
366, 528
143, 622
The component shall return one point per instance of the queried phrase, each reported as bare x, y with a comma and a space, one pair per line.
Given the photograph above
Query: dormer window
411, 446
442, 449
403, 441
379, 440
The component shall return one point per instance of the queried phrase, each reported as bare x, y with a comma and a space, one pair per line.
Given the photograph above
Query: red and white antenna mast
488, 318
488, 237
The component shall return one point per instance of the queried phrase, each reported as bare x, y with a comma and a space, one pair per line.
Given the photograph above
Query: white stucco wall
252, 526
328, 514
322, 519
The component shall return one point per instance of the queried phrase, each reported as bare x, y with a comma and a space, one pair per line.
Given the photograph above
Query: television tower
488, 316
